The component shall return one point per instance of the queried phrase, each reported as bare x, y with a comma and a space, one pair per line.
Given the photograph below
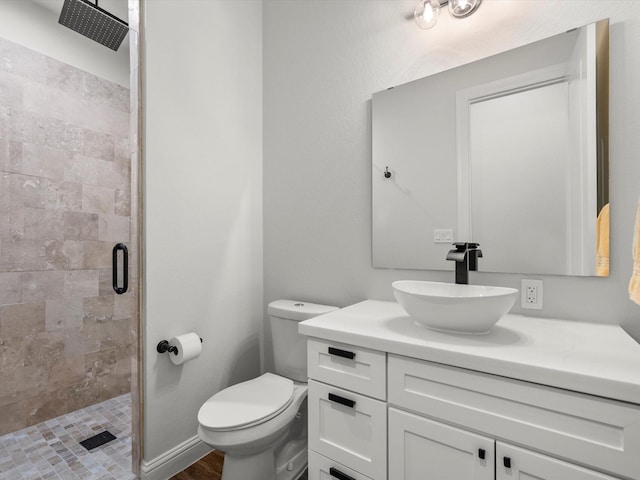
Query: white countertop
591, 358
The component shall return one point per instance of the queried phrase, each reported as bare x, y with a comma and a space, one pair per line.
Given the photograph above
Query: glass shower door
65, 200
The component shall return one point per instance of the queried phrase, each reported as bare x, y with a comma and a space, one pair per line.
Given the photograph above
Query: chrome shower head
93, 22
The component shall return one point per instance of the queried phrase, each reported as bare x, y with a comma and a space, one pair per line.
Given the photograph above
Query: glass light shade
426, 13
463, 8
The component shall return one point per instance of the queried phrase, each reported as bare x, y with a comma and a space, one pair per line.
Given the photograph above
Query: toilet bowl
261, 424
249, 421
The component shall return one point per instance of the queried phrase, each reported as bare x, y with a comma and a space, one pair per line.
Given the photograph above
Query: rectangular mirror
510, 152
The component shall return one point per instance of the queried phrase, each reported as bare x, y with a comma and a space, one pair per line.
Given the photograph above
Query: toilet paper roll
189, 347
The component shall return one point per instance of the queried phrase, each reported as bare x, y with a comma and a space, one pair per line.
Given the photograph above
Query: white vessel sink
454, 308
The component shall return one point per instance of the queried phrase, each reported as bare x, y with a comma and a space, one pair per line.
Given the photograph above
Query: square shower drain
98, 440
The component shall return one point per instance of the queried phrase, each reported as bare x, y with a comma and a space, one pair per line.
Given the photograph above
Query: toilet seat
246, 404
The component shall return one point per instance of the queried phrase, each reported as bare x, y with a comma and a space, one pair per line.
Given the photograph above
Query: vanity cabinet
542, 399
377, 416
347, 412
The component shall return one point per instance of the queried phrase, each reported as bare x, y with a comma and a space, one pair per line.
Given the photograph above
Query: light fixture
427, 12
463, 8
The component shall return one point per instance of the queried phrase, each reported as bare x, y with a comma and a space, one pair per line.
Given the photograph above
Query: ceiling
119, 8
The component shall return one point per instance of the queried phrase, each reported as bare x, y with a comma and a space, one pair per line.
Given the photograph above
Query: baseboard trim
175, 460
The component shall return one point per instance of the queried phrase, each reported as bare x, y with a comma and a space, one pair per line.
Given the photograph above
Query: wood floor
207, 468
210, 468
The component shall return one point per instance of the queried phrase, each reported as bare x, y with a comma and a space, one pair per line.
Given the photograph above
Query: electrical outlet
443, 235
531, 294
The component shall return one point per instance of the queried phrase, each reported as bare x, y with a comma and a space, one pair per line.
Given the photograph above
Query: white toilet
261, 424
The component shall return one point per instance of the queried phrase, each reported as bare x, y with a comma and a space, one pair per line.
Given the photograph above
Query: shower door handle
125, 268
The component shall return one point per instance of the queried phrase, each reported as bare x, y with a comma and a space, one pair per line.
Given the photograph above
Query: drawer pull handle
482, 453
335, 473
341, 353
506, 461
341, 400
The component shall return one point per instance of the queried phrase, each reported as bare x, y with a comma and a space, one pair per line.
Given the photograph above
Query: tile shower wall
65, 198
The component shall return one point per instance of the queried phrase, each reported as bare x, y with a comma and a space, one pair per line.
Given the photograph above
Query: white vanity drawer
357, 369
349, 428
322, 468
592, 431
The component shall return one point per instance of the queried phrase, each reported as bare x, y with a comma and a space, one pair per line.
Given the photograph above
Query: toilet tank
289, 347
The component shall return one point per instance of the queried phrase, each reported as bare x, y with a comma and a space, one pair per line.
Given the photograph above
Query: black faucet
466, 257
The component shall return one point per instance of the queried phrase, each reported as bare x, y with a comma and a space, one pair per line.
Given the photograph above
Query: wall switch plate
531, 294
442, 235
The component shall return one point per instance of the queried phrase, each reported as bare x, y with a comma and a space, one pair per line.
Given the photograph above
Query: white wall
35, 26
202, 70
322, 62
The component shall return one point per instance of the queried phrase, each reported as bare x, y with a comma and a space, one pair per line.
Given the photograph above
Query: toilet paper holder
164, 347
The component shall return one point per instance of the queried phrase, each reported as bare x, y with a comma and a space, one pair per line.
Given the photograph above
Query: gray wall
323, 61
202, 207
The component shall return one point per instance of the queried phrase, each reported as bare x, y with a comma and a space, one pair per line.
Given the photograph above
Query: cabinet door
513, 463
420, 449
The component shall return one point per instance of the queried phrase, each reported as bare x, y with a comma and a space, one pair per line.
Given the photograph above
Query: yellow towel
602, 242
634, 284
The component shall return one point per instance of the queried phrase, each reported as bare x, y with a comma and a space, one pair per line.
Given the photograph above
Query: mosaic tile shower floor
50, 450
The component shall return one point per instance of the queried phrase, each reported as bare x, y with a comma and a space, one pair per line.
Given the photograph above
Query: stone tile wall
65, 200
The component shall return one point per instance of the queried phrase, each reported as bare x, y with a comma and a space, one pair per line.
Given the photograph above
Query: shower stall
68, 232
